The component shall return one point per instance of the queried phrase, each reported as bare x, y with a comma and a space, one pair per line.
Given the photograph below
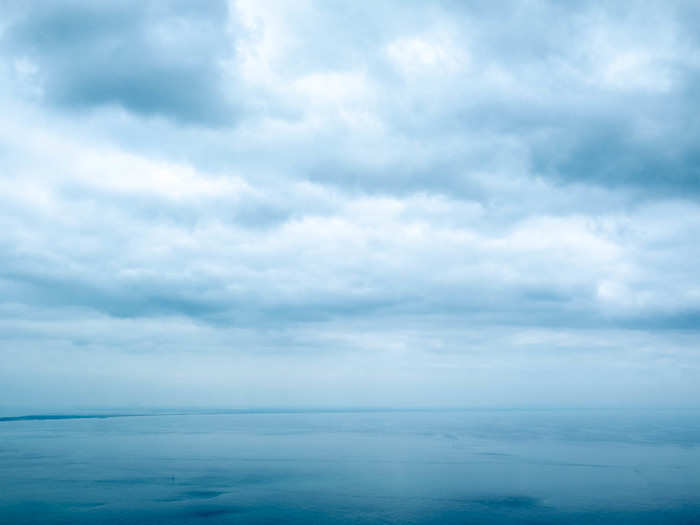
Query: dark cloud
151, 58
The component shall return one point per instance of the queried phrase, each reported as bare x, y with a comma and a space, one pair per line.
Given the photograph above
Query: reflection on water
353, 467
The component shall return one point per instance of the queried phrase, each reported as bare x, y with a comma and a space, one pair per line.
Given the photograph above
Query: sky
325, 203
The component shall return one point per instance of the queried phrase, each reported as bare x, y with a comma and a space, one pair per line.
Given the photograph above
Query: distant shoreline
346, 410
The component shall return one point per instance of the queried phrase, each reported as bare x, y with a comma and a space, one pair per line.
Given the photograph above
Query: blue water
436, 467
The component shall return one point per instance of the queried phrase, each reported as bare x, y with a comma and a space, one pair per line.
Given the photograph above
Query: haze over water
441, 467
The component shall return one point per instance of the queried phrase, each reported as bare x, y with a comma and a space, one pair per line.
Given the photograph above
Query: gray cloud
151, 58
398, 203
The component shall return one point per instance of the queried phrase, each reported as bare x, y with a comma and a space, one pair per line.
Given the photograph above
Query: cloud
404, 204
150, 58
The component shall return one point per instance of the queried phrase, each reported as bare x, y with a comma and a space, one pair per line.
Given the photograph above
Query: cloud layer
307, 203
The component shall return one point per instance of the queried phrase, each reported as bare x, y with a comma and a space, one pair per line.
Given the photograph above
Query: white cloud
429, 55
401, 209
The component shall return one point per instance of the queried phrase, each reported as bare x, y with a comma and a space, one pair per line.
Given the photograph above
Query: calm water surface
437, 467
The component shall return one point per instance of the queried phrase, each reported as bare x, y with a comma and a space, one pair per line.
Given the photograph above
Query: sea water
360, 467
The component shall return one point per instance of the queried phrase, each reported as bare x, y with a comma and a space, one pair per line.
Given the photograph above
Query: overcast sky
349, 203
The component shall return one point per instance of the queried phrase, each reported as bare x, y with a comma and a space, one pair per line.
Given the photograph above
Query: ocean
352, 467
